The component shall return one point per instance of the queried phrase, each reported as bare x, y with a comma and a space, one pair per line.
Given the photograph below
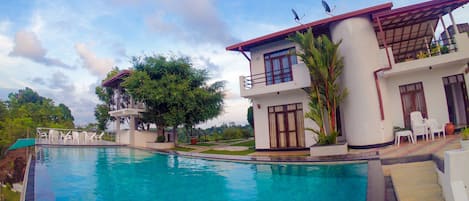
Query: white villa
392, 67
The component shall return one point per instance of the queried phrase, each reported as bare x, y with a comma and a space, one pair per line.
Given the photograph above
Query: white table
404, 133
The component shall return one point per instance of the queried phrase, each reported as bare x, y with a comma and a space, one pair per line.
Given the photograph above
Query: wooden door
413, 99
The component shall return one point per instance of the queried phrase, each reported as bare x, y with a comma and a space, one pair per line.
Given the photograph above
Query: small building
127, 111
390, 70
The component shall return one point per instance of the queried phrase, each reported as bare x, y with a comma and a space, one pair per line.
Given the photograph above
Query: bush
160, 138
232, 133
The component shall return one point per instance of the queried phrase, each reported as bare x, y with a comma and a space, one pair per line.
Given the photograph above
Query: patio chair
53, 135
66, 136
434, 127
76, 136
418, 125
42, 134
99, 137
90, 135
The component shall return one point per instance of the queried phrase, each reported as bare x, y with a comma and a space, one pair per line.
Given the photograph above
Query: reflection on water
127, 174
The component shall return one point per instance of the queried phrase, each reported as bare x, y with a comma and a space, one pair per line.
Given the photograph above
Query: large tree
174, 92
325, 65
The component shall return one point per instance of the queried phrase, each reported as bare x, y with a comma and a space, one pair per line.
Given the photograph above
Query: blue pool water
129, 174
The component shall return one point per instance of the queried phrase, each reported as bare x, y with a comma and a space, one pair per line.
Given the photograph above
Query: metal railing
434, 48
268, 78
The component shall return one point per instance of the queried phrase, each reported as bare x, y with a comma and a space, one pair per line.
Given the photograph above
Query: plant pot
464, 144
193, 141
328, 150
449, 128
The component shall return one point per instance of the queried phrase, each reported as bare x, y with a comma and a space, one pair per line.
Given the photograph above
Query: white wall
360, 49
434, 91
261, 120
455, 176
257, 54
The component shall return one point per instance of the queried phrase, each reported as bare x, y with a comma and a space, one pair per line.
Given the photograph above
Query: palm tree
321, 56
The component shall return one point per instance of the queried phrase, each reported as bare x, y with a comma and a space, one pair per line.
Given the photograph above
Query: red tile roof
246, 45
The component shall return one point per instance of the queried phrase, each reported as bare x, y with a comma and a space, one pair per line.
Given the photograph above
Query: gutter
386, 68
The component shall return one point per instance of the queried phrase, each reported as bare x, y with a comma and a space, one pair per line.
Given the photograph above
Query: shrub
465, 134
160, 138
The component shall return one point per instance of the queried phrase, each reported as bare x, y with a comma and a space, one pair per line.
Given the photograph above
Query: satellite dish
296, 17
327, 8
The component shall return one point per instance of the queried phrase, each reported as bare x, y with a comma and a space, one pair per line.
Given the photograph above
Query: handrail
250, 81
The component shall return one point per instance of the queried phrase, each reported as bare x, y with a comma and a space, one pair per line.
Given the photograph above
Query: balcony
455, 51
273, 82
128, 110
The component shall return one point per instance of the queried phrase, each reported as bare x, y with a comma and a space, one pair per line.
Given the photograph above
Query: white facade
362, 122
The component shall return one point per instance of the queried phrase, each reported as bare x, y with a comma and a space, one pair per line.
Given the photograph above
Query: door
413, 99
456, 99
286, 126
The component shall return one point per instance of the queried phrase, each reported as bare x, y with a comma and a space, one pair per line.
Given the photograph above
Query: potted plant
449, 128
465, 139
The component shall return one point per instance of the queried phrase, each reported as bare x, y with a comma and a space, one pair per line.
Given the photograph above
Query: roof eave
243, 46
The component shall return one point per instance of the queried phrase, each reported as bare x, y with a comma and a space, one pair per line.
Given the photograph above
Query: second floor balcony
275, 81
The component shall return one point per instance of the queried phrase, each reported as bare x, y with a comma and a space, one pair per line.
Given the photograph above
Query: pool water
122, 173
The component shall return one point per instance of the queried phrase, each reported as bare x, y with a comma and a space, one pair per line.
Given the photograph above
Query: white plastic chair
42, 134
53, 135
99, 137
419, 127
67, 136
434, 127
90, 135
76, 136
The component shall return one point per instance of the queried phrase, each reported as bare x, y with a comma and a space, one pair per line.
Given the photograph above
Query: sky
63, 48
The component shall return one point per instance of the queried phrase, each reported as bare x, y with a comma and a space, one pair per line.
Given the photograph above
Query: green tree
250, 116
174, 92
25, 111
101, 111
325, 65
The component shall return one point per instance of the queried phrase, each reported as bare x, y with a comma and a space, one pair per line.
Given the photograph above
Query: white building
390, 70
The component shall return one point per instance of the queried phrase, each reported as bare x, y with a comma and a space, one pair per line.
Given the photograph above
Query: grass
9, 195
250, 143
186, 149
229, 141
224, 152
205, 144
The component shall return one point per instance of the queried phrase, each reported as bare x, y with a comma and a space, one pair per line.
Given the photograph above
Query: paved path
218, 145
415, 181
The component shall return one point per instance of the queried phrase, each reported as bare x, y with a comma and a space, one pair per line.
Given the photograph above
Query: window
278, 66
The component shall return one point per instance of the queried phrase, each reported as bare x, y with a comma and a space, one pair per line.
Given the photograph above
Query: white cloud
97, 66
27, 45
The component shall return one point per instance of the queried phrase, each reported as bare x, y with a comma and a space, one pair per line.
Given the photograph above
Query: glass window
278, 66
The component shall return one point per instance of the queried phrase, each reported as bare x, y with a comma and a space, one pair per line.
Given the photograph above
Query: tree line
26, 110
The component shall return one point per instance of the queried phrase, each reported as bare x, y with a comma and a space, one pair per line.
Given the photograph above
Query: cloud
97, 66
27, 45
205, 62
196, 21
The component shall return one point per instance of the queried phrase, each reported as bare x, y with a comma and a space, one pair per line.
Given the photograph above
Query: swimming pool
120, 173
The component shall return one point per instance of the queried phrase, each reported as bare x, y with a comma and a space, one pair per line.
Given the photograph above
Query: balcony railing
435, 48
268, 78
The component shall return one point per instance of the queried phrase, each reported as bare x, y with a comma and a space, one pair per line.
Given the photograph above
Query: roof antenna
327, 8
297, 18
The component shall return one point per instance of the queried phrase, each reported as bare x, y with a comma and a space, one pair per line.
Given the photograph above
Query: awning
410, 29
22, 143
